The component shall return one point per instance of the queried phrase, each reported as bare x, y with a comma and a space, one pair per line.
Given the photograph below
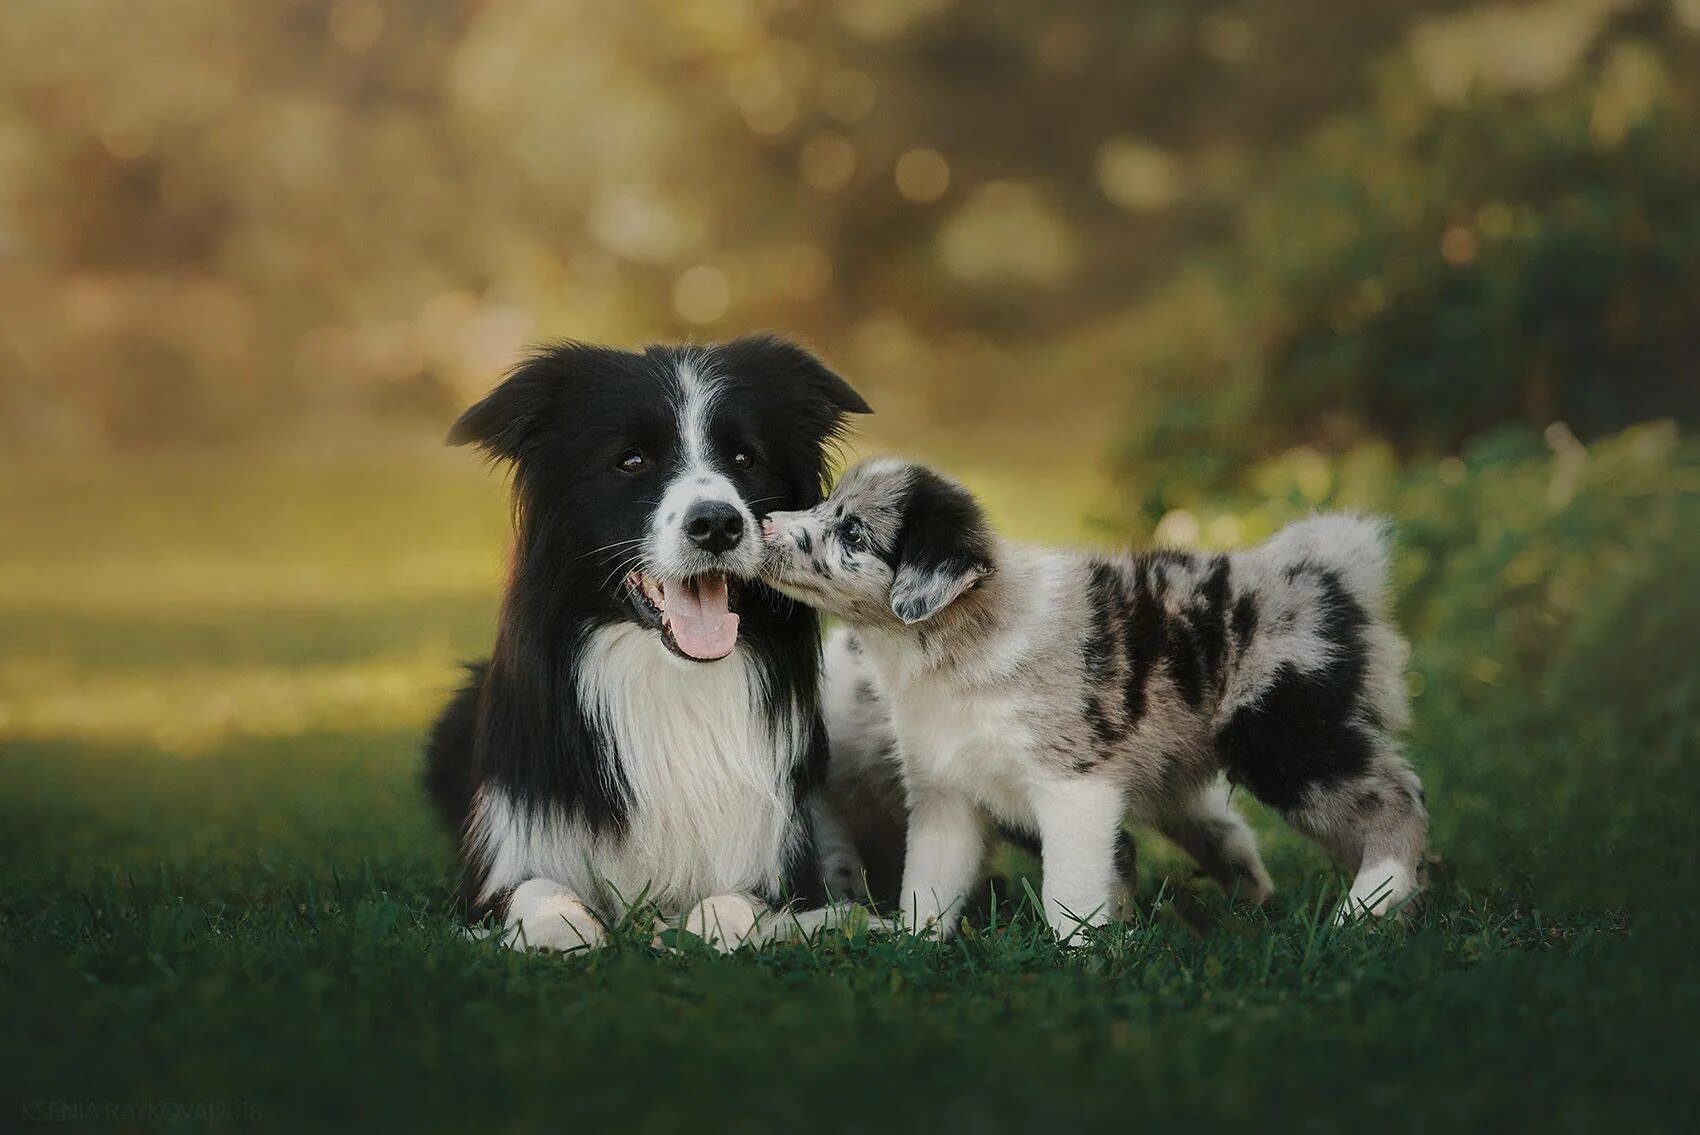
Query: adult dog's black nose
714, 526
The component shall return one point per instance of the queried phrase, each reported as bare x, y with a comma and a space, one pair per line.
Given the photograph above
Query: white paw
848, 917
546, 916
1379, 890
725, 921
923, 916
933, 926
1071, 931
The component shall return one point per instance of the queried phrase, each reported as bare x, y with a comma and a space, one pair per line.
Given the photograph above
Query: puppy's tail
1357, 548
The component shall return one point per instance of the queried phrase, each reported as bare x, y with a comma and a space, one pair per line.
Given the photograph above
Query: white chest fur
975, 739
711, 812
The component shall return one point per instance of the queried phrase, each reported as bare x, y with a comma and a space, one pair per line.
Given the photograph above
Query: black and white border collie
647, 726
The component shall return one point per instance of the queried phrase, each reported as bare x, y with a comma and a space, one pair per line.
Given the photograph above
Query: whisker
626, 565
609, 547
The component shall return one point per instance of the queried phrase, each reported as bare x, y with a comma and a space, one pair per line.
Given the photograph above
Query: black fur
944, 532
563, 419
1301, 731
448, 781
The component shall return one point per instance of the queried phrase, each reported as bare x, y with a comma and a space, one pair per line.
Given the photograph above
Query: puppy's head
895, 542
641, 478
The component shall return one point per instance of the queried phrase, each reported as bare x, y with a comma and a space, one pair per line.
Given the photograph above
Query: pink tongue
698, 617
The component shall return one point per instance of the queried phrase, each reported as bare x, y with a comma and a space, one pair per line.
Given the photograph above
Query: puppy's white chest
978, 744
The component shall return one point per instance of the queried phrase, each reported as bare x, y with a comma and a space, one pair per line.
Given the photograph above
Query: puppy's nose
714, 526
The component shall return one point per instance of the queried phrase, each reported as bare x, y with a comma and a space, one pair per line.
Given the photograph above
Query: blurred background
1158, 270
1158, 225
1140, 271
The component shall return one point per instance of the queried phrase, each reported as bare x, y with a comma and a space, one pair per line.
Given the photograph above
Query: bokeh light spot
637, 223
1458, 246
828, 161
1178, 529
702, 294
922, 175
1006, 232
127, 136
1136, 175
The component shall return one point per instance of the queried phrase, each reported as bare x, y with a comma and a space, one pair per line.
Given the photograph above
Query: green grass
221, 896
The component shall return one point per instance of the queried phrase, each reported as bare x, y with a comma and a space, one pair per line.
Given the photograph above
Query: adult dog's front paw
725, 921
543, 915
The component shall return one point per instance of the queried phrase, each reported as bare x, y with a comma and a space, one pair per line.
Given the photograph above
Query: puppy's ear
511, 415
787, 363
943, 548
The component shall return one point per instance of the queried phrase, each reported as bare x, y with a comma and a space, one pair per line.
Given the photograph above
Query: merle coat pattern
1064, 694
647, 725
859, 812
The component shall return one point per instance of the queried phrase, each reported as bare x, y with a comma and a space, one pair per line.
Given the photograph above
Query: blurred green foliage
1548, 587
1551, 594
1424, 273
1258, 222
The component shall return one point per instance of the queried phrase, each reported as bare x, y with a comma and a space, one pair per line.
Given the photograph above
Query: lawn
223, 899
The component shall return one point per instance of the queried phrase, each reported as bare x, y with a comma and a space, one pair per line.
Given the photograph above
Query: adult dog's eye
633, 461
743, 459
853, 534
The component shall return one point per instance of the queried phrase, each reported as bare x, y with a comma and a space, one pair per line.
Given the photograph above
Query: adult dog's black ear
943, 548
797, 370
511, 415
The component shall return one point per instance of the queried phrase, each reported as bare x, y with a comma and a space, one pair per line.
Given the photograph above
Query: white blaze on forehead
698, 391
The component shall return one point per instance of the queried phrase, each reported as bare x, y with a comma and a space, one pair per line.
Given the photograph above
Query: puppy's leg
1375, 826
726, 921
841, 867
946, 843
1079, 822
1207, 827
543, 915
1126, 890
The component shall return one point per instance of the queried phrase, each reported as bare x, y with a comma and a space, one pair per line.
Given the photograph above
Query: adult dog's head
642, 479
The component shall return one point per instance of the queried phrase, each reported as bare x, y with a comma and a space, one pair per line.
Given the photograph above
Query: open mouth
694, 615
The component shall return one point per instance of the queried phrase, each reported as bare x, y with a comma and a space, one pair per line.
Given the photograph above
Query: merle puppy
648, 722
1063, 693
859, 812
